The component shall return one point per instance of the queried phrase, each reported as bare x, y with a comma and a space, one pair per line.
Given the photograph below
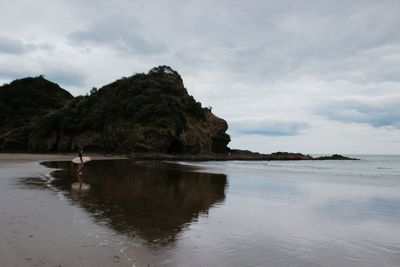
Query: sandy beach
25, 157
233, 213
38, 227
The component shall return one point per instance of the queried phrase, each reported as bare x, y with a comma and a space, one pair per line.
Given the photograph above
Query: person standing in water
80, 155
80, 161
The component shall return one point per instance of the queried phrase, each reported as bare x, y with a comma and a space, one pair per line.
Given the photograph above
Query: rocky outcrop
144, 113
146, 116
334, 157
288, 156
234, 154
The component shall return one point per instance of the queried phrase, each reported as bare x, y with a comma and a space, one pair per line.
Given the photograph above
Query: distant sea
230, 213
313, 213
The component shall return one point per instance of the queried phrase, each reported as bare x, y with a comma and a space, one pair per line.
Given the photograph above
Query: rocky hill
144, 113
145, 116
23, 103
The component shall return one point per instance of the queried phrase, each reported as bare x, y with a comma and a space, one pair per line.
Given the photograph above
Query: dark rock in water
288, 156
248, 155
234, 154
334, 157
237, 154
145, 113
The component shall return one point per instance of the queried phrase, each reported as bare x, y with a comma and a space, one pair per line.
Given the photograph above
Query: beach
233, 213
37, 227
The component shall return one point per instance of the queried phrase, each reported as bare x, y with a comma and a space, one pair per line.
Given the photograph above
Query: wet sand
6, 158
199, 214
45, 222
39, 229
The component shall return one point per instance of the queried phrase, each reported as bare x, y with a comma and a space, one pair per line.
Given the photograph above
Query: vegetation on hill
24, 99
148, 116
150, 112
23, 103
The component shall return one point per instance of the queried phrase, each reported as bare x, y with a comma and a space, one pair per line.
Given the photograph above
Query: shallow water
300, 213
153, 202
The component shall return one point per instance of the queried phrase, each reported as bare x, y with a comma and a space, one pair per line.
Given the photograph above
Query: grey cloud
14, 46
63, 77
259, 40
12, 74
259, 57
118, 32
66, 77
267, 127
375, 111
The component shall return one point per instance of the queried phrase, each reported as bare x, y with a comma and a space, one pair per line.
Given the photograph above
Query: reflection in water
153, 201
273, 213
80, 185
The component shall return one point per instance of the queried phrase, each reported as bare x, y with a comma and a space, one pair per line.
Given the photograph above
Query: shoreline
38, 225
49, 228
38, 157
236, 155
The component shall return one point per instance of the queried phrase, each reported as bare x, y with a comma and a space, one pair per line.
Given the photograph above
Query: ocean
229, 213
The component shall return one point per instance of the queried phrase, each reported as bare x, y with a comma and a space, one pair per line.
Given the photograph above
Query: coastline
237, 155
45, 225
40, 228
36, 157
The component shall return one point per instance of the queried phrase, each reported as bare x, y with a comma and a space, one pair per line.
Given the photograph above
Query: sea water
241, 213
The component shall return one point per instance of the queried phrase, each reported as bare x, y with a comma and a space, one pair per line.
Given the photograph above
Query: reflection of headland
154, 202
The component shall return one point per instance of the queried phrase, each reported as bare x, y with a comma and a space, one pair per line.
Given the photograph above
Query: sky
306, 76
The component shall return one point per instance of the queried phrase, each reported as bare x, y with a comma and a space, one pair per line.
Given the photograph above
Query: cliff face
150, 112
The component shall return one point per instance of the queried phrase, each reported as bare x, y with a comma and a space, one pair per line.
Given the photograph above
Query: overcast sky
301, 76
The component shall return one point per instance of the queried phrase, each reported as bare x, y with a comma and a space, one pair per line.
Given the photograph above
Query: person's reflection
80, 178
80, 185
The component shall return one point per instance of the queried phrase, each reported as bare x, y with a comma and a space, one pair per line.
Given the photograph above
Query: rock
149, 116
144, 113
288, 156
334, 157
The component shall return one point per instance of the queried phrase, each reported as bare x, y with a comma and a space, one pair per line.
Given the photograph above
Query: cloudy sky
303, 76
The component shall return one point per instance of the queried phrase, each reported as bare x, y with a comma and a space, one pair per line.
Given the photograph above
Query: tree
93, 91
163, 70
